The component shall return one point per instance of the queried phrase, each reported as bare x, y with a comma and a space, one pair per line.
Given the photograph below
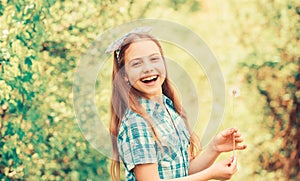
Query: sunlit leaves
273, 63
2, 8
28, 61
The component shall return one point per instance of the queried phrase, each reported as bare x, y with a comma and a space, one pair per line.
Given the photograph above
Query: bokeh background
257, 44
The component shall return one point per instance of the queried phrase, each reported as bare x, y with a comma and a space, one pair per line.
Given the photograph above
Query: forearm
203, 160
204, 175
221, 171
149, 172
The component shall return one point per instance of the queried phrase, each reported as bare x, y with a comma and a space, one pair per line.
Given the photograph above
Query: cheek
162, 69
132, 76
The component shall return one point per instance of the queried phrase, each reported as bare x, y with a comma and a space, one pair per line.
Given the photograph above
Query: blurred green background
257, 44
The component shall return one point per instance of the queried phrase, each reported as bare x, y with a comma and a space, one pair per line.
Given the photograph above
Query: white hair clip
116, 45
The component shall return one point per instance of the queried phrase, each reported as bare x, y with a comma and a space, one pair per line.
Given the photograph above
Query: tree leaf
28, 61
1, 9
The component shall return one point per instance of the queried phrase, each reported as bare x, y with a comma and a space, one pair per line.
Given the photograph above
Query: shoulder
132, 125
132, 119
136, 145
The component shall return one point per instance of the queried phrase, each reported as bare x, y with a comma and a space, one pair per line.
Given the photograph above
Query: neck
156, 98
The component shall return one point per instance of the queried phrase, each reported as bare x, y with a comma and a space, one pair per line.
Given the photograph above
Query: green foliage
39, 137
42, 41
193, 6
273, 65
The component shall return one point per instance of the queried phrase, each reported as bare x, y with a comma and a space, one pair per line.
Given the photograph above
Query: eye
156, 58
136, 63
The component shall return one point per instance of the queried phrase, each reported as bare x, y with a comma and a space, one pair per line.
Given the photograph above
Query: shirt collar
168, 101
149, 104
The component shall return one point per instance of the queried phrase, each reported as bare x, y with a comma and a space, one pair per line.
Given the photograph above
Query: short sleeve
136, 143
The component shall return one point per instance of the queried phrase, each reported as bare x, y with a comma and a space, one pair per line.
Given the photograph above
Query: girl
149, 128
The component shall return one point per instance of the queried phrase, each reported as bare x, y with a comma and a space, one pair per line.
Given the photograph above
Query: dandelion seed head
234, 92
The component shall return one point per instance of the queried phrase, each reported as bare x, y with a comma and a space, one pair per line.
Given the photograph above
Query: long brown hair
125, 96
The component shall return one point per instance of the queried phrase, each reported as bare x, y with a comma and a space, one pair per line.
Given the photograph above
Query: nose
148, 67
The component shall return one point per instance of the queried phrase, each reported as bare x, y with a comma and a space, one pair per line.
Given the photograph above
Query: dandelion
234, 92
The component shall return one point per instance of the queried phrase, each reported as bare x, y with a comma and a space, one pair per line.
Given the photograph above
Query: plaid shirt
137, 145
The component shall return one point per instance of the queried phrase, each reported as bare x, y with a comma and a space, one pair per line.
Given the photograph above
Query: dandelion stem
233, 117
234, 93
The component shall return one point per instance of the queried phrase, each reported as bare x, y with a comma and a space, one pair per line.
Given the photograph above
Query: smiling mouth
149, 79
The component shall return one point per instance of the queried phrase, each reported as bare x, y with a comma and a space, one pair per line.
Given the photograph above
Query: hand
223, 142
225, 169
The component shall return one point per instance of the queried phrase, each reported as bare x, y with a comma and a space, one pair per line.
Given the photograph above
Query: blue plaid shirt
137, 145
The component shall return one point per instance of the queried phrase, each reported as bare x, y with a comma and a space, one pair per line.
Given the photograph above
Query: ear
126, 78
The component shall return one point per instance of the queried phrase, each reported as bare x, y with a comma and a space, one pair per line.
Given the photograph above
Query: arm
203, 160
222, 170
223, 142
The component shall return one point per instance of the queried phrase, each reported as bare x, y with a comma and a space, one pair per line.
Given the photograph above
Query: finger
229, 161
241, 147
235, 129
228, 132
239, 140
234, 163
237, 134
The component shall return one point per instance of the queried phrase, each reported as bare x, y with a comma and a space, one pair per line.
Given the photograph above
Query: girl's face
145, 68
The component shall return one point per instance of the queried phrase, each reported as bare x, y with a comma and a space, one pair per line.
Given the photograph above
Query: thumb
231, 162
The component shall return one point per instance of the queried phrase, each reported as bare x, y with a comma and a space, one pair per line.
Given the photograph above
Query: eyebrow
138, 58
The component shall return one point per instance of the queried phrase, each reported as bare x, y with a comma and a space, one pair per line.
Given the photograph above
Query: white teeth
149, 78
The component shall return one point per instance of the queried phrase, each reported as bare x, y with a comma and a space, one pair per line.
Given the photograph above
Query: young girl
149, 128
